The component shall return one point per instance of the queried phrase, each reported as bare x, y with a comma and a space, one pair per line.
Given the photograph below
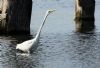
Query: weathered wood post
0, 6
3, 8
84, 9
18, 16
84, 14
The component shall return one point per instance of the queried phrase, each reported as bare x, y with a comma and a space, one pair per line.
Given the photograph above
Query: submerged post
83, 26
18, 16
84, 9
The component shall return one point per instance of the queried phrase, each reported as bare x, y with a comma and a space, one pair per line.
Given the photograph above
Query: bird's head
50, 11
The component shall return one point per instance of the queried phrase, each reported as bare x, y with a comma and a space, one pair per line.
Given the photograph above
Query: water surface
60, 46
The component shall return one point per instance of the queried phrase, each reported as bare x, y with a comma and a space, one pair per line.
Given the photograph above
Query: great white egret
27, 45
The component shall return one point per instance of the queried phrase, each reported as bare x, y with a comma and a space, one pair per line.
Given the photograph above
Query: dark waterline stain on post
84, 26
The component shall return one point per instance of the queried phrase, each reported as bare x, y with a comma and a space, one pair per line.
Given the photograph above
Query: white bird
27, 45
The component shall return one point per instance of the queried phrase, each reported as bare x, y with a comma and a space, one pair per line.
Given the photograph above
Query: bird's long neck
39, 31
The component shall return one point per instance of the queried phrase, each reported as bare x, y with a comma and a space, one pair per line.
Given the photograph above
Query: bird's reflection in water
22, 54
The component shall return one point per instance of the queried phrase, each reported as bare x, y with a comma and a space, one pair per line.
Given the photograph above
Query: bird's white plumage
26, 46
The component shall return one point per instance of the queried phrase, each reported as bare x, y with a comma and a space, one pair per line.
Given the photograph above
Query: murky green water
60, 46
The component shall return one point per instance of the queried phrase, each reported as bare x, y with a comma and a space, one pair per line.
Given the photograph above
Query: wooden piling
84, 15
84, 9
18, 16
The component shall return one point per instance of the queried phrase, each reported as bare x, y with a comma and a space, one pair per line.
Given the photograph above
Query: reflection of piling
18, 16
84, 9
84, 25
